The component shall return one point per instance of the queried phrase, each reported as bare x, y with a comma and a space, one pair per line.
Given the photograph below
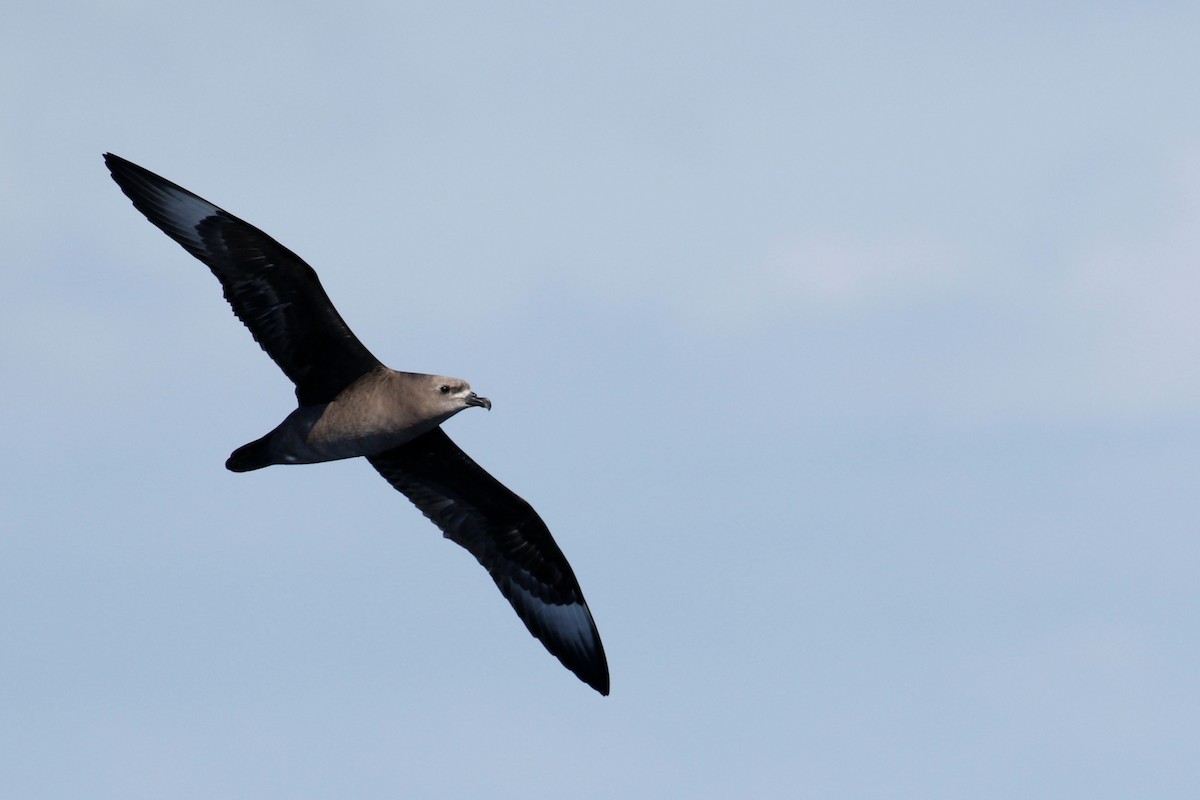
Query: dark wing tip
563, 625
121, 167
599, 681
594, 671
134, 180
597, 676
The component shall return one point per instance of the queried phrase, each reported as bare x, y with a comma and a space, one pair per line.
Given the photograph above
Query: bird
349, 405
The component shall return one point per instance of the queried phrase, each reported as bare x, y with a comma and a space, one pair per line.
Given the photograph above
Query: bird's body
377, 412
350, 405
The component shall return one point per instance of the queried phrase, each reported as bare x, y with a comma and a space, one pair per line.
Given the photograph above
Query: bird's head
452, 395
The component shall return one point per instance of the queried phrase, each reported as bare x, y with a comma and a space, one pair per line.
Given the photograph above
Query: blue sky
849, 350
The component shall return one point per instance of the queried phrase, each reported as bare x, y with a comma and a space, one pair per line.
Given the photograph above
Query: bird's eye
444, 389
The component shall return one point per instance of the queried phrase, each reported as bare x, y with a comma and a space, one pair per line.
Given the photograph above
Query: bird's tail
255, 455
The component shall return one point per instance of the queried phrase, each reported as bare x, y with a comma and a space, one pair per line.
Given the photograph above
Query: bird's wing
271, 289
508, 538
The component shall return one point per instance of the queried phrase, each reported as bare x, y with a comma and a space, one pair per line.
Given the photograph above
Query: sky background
848, 349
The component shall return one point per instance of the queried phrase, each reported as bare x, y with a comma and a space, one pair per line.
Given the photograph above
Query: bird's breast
362, 426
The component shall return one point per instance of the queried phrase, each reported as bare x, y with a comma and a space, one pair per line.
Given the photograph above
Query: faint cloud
1138, 294
834, 275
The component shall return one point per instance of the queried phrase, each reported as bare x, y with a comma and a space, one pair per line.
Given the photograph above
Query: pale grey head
443, 397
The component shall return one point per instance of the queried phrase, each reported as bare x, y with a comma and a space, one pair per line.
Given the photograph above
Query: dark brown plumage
350, 404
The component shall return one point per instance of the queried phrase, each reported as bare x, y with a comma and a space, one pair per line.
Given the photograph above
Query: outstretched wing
508, 538
270, 288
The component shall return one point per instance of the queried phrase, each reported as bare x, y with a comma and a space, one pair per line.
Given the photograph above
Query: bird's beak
475, 400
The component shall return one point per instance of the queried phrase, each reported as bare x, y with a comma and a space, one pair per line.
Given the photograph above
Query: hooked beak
475, 400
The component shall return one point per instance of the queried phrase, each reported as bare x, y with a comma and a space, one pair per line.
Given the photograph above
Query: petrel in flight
350, 404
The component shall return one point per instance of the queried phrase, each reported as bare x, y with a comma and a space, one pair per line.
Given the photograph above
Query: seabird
350, 404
